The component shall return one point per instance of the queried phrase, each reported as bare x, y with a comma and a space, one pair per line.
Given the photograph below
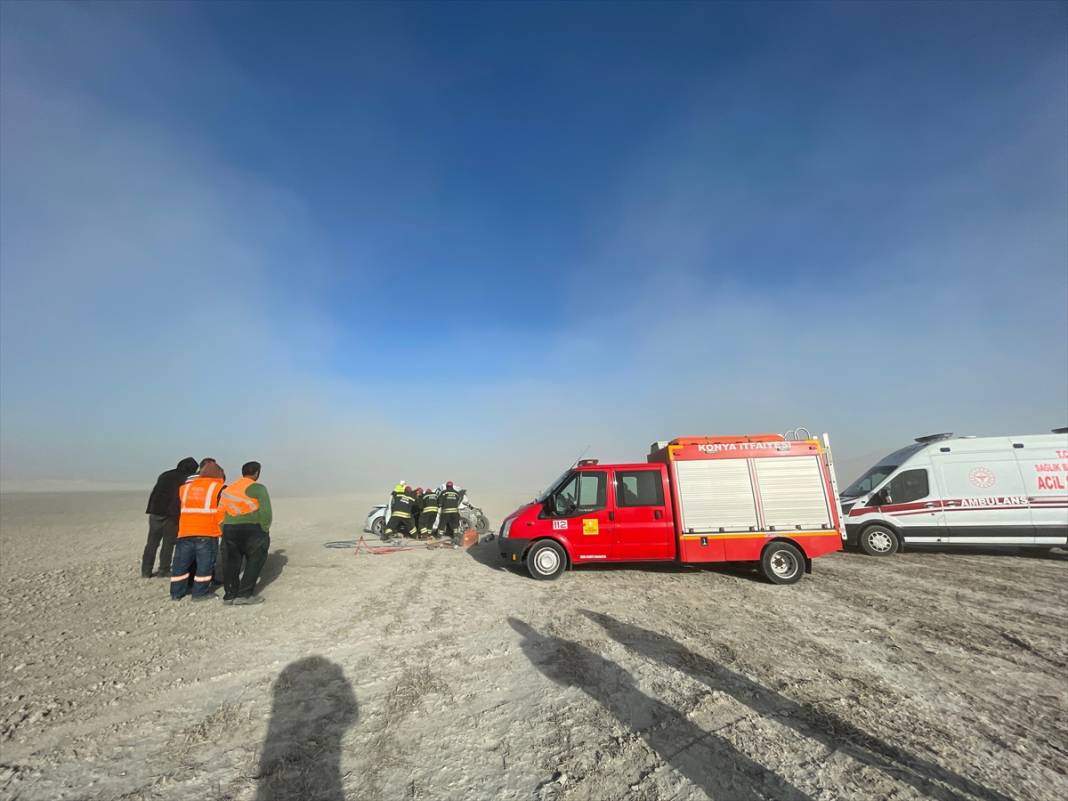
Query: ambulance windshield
869, 481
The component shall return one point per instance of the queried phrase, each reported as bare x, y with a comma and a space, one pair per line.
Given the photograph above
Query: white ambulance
948, 490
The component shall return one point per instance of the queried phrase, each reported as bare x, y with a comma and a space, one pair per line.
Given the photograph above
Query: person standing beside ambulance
246, 534
197, 546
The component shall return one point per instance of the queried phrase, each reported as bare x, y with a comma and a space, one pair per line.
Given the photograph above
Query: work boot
248, 600
208, 596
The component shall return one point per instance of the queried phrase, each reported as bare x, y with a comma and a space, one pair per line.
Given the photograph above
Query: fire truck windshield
553, 487
869, 481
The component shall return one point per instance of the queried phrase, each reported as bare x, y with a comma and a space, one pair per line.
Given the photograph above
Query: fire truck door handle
658, 514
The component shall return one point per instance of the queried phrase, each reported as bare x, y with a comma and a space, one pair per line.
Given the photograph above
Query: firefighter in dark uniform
450, 512
428, 513
400, 516
417, 511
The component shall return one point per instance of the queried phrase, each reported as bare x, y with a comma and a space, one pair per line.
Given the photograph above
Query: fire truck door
643, 528
583, 515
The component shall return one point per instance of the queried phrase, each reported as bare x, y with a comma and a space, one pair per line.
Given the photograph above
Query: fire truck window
639, 488
908, 486
584, 492
592, 491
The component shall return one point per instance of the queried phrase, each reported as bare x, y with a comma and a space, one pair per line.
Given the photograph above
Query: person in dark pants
400, 513
450, 512
246, 535
428, 513
417, 511
198, 534
163, 510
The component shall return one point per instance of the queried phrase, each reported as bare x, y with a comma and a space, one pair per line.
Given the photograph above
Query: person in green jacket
246, 534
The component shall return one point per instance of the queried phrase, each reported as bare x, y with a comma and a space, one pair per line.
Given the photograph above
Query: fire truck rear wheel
546, 560
878, 540
782, 563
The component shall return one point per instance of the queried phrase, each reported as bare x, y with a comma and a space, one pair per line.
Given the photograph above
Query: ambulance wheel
782, 563
545, 560
878, 541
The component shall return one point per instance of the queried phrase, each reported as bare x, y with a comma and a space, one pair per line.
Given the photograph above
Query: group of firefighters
191, 511
424, 513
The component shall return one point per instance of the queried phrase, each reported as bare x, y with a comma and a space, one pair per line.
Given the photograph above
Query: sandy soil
442, 675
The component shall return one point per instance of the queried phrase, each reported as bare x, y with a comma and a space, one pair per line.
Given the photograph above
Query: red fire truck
765, 498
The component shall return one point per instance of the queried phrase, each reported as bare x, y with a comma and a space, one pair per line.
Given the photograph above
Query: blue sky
473, 239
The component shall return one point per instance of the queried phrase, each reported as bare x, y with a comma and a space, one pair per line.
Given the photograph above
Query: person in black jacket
400, 513
163, 511
450, 525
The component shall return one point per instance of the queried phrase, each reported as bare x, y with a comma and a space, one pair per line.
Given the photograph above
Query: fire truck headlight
507, 527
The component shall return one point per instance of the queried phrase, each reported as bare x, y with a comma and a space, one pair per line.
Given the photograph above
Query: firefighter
428, 515
417, 510
199, 531
400, 513
450, 512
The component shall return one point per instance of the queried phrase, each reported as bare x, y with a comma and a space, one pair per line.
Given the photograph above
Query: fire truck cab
762, 498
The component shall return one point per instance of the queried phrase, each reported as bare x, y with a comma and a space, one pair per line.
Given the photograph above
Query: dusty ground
439, 675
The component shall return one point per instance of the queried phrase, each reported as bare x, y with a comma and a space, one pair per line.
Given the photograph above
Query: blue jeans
196, 556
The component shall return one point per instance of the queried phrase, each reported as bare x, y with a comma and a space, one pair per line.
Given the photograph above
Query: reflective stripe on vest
198, 506
235, 502
200, 515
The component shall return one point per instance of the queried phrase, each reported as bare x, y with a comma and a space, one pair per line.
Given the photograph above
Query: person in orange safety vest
199, 521
246, 535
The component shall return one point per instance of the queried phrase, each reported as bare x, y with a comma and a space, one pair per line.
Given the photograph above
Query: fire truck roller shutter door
715, 494
793, 493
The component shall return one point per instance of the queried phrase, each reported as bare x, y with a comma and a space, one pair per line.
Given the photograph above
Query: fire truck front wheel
546, 560
782, 563
878, 540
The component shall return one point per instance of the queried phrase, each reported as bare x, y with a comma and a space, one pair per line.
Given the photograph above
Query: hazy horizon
463, 241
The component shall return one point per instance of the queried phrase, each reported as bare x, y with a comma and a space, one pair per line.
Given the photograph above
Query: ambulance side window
906, 487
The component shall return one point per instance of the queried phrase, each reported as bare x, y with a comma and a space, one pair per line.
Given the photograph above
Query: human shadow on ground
301, 759
272, 568
704, 758
932, 780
